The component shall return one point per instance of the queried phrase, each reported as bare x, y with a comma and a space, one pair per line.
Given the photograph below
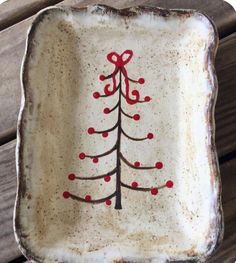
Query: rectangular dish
116, 157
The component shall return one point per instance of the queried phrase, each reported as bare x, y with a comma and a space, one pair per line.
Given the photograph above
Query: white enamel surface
68, 54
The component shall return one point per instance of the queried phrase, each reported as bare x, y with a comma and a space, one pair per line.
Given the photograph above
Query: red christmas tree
119, 75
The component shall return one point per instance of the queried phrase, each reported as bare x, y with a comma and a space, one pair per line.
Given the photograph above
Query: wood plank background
225, 112
227, 251
15, 18
8, 248
12, 11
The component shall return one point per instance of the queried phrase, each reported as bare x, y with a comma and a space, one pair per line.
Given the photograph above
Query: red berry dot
147, 98
87, 198
169, 184
150, 135
137, 164
104, 134
107, 178
91, 130
95, 160
71, 177
134, 184
96, 95
108, 202
134, 92
141, 80
159, 165
106, 110
66, 195
82, 156
136, 117
101, 77
154, 191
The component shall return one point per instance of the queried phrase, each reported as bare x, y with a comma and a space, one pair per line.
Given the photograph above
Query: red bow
120, 61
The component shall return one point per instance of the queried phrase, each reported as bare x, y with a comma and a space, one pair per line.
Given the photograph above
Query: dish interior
66, 56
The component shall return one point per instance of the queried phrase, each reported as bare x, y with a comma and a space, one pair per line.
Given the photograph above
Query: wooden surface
227, 251
13, 11
226, 106
12, 41
8, 248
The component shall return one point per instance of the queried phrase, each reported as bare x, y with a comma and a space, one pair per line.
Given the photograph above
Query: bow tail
107, 91
135, 93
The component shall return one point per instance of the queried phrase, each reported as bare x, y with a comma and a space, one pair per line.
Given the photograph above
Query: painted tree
118, 77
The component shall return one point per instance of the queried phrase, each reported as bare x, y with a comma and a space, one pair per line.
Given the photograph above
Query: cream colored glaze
68, 54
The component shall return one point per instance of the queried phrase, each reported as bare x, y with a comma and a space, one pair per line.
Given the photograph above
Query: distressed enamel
62, 117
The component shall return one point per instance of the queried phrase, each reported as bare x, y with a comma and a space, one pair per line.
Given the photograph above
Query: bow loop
120, 60
113, 57
126, 56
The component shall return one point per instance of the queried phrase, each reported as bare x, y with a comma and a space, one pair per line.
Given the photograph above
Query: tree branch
142, 189
102, 154
133, 80
135, 167
108, 76
131, 138
114, 107
108, 130
127, 115
96, 177
96, 201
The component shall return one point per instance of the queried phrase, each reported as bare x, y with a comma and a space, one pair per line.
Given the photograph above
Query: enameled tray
116, 157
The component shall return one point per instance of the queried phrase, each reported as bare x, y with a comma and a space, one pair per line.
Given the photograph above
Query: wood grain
12, 50
227, 251
12, 11
226, 103
8, 247
11, 53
